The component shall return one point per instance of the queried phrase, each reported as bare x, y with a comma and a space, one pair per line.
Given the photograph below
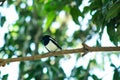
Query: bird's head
45, 39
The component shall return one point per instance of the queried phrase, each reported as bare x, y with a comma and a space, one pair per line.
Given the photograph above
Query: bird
50, 43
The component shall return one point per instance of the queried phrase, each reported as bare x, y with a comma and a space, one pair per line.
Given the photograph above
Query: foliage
105, 13
116, 75
4, 77
37, 18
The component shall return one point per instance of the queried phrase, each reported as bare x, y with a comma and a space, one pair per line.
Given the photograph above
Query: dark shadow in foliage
116, 75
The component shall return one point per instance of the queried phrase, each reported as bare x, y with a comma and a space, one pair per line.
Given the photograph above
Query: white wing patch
52, 47
53, 39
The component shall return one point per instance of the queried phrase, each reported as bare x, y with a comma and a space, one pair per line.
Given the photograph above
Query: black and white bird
50, 43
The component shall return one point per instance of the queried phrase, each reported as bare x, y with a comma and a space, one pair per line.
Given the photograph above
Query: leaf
98, 43
86, 9
5, 77
96, 18
112, 65
56, 5
118, 32
113, 11
50, 6
95, 4
95, 77
116, 75
2, 21
75, 12
50, 17
111, 32
78, 2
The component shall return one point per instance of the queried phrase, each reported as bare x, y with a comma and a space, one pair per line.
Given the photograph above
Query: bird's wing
55, 42
47, 48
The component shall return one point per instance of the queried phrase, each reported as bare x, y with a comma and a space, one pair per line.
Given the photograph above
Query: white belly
52, 47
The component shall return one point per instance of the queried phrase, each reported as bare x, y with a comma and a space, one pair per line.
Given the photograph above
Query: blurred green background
70, 22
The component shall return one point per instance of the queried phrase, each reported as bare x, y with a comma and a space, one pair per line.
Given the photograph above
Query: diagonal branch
58, 53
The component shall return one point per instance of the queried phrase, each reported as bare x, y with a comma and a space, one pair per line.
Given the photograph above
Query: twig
58, 53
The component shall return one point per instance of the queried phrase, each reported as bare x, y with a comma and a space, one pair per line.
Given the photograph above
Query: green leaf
112, 33
86, 9
95, 77
75, 12
79, 73
95, 4
96, 18
5, 77
113, 11
51, 5
112, 65
50, 18
118, 32
116, 75
2, 21
78, 2
98, 43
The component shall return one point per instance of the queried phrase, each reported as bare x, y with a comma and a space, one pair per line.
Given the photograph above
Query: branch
58, 53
